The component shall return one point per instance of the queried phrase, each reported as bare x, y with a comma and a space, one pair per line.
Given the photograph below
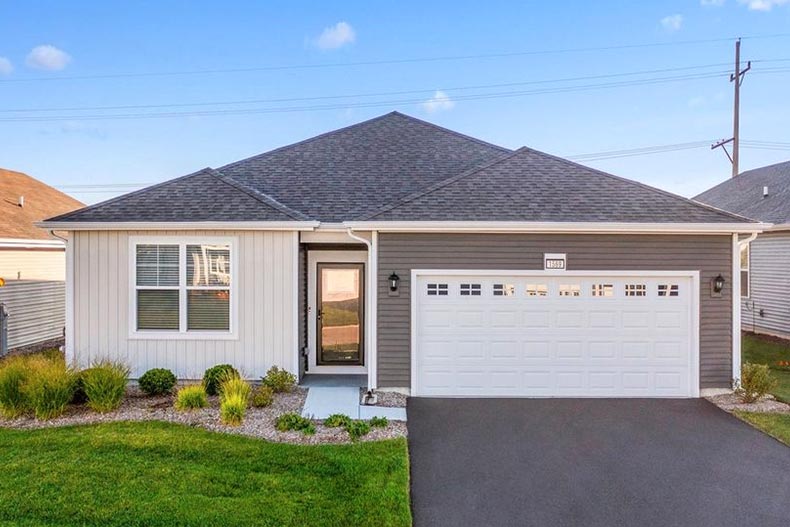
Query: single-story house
427, 260
764, 194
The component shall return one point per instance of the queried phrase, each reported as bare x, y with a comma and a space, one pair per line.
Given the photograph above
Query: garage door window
635, 290
437, 289
668, 290
570, 290
504, 290
537, 290
606, 290
470, 289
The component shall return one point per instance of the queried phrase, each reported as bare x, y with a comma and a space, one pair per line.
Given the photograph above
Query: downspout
737, 246
371, 304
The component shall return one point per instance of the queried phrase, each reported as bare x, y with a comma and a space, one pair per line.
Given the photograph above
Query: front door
340, 315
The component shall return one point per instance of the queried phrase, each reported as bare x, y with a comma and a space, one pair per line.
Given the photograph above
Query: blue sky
50, 47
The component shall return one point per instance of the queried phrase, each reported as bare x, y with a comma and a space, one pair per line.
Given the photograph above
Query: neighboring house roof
743, 194
396, 167
40, 201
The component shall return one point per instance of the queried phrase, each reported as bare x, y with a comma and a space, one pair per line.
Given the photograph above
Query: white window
570, 290
537, 290
182, 287
470, 289
745, 262
606, 290
504, 289
635, 290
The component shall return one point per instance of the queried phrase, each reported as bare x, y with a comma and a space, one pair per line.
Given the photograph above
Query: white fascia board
779, 227
180, 226
19, 243
559, 227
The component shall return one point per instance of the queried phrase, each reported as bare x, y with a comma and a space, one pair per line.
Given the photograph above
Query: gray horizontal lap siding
401, 253
769, 286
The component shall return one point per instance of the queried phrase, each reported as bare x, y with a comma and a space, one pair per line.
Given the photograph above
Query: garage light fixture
394, 279
718, 284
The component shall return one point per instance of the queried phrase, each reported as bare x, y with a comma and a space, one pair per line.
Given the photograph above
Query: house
32, 263
764, 194
424, 259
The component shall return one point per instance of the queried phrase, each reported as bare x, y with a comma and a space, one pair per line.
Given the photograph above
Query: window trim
183, 334
748, 248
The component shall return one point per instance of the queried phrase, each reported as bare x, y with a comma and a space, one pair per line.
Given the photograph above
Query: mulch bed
259, 422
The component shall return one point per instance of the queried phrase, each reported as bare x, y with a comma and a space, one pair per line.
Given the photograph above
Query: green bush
214, 376
337, 420
262, 396
191, 397
280, 381
157, 381
79, 396
756, 381
232, 409
232, 386
105, 385
14, 372
357, 429
49, 387
294, 421
379, 422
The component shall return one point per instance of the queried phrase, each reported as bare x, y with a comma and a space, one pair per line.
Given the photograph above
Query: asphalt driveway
592, 462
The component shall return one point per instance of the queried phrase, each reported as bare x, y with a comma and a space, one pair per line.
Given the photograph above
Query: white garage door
550, 334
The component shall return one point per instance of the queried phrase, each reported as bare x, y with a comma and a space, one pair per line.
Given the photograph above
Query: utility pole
737, 79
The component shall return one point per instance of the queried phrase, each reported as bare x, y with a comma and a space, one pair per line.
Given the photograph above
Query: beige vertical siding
710, 255
33, 264
769, 277
265, 281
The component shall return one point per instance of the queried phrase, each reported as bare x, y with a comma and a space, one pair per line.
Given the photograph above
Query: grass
776, 425
160, 474
768, 350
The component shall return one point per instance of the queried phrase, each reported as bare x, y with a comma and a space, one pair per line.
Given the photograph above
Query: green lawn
777, 425
159, 474
764, 350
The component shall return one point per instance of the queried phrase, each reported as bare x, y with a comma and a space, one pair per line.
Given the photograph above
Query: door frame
360, 309
315, 257
694, 327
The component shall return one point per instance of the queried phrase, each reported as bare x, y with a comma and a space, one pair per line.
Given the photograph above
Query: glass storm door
340, 317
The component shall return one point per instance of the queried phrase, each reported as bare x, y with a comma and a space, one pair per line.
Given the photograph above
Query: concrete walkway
323, 401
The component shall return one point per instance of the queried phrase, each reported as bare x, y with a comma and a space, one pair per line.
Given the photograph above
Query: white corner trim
69, 340
295, 309
558, 227
178, 225
183, 334
736, 303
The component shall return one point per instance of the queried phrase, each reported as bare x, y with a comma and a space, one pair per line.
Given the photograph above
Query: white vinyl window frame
182, 333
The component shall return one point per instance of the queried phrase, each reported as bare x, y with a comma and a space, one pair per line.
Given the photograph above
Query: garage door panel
519, 335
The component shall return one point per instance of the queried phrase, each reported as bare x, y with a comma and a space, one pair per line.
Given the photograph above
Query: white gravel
259, 422
386, 399
731, 402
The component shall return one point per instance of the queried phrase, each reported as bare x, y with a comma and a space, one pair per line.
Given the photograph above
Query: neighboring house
763, 194
32, 263
426, 260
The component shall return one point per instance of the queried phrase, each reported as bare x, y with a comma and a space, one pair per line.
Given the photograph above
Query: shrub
262, 396
105, 385
191, 397
215, 375
232, 408
294, 421
337, 420
157, 381
14, 371
79, 397
232, 386
48, 387
756, 381
280, 381
357, 429
379, 422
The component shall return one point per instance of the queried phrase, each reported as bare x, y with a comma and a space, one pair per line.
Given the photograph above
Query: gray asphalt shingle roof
744, 194
396, 167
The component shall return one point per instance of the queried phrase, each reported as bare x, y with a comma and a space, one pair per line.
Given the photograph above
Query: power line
390, 61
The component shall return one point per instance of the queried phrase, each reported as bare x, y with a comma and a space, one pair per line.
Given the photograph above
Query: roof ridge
449, 131
637, 183
439, 185
128, 194
258, 195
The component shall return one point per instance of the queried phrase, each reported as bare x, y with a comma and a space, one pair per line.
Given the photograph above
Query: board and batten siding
265, 283
769, 288
401, 252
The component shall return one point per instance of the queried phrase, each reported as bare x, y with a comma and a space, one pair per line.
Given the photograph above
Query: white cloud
438, 103
5, 66
711, 3
763, 5
672, 22
336, 36
47, 57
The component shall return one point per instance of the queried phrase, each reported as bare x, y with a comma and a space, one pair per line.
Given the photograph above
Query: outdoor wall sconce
393, 279
718, 284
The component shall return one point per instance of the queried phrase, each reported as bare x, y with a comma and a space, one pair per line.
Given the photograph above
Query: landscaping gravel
731, 402
259, 422
386, 399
